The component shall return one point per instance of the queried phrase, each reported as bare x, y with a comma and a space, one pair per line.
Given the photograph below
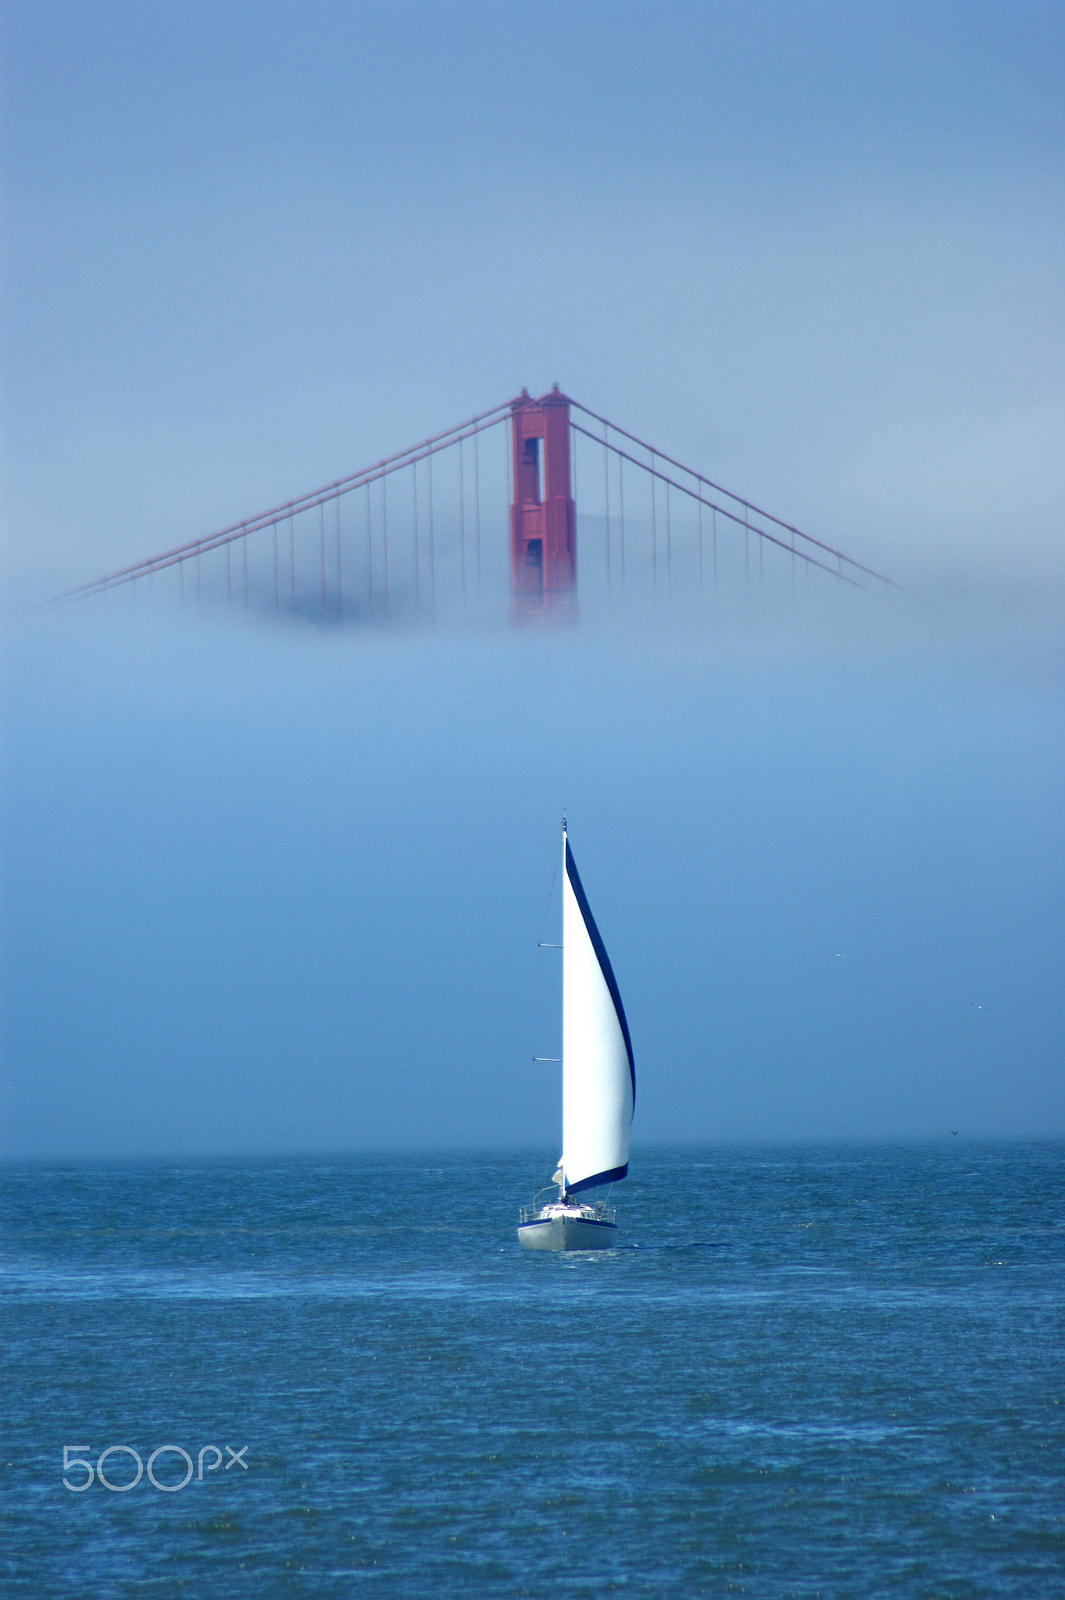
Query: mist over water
272, 885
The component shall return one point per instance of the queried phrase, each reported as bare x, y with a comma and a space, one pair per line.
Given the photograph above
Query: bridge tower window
531, 458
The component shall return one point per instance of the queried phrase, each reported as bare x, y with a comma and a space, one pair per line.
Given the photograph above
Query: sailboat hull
558, 1230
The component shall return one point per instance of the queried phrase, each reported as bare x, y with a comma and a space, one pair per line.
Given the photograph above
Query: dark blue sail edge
598, 1177
603, 959
615, 994
611, 982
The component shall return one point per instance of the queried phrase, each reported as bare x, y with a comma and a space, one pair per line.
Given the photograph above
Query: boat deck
567, 1226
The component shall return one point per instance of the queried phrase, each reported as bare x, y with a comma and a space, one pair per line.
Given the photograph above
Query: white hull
568, 1228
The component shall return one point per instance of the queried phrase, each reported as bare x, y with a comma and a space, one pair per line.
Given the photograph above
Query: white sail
598, 1072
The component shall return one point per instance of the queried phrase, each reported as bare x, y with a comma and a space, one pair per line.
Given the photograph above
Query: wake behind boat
598, 1084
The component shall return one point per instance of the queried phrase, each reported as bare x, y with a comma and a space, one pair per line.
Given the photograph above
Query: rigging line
432, 548
606, 505
340, 586
265, 519
321, 548
758, 511
414, 496
573, 483
477, 513
352, 479
541, 943
763, 533
746, 557
540, 946
621, 520
682, 488
369, 555
384, 539
214, 541
654, 530
761, 570
462, 529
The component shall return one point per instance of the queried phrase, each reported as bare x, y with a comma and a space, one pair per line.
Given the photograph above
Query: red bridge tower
543, 517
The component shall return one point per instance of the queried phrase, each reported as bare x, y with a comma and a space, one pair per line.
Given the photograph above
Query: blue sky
269, 888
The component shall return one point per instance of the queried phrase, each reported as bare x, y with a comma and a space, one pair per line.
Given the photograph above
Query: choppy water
817, 1371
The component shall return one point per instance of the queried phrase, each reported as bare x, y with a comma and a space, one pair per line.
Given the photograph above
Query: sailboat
598, 1085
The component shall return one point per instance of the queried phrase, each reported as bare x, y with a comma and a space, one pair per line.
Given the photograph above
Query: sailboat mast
560, 1175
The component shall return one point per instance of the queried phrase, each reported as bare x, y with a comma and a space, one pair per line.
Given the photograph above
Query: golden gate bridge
455, 522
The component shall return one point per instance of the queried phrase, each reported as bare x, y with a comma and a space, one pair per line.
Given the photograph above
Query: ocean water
812, 1371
